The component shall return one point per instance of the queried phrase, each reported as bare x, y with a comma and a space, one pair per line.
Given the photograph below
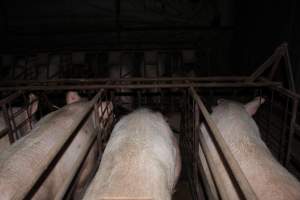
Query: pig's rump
139, 160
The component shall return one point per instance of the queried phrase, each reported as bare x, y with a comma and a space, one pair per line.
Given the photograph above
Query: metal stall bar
195, 139
135, 86
215, 180
282, 90
288, 67
40, 163
292, 131
6, 117
12, 113
273, 61
206, 172
224, 150
101, 80
203, 166
11, 136
283, 131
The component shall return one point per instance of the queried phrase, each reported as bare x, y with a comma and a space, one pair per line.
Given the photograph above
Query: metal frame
13, 128
194, 107
132, 83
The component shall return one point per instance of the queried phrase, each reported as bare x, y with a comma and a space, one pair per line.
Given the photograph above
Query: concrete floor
182, 189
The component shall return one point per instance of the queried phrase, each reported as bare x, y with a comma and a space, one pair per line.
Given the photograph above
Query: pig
19, 162
26, 127
269, 180
141, 160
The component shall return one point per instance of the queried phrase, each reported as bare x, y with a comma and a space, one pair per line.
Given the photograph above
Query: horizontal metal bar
187, 28
80, 80
281, 89
136, 86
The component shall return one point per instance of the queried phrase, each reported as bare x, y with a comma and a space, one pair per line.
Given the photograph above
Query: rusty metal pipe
135, 86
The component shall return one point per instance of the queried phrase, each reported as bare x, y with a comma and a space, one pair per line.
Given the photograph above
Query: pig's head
251, 107
72, 97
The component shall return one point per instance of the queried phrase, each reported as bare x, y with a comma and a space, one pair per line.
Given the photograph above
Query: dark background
236, 36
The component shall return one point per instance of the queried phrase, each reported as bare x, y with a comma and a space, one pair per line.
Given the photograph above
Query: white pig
141, 160
20, 161
269, 180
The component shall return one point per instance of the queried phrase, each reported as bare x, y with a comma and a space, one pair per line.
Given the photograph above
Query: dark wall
234, 36
260, 27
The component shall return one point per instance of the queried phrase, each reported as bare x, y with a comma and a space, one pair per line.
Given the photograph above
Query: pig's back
267, 177
19, 163
138, 161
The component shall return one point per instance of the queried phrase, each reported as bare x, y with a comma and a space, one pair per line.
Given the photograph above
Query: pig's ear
252, 106
72, 97
33, 103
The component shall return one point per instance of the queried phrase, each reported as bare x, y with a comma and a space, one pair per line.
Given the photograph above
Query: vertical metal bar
99, 138
47, 67
288, 65
206, 174
274, 67
7, 121
283, 135
11, 116
211, 164
195, 151
26, 67
268, 135
14, 67
292, 131
118, 13
28, 105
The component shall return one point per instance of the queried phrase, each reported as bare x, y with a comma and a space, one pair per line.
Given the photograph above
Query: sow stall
191, 99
